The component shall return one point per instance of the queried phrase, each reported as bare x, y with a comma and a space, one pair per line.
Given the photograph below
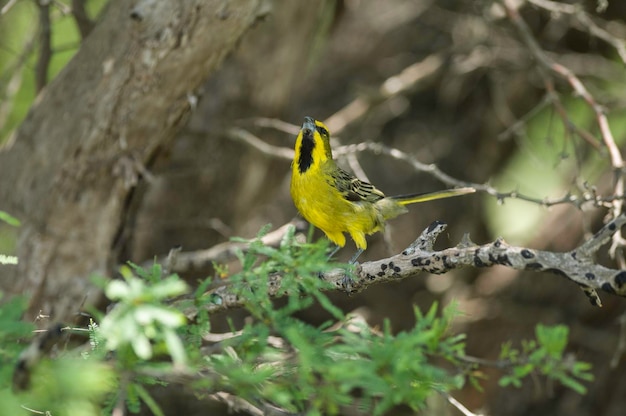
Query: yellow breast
321, 204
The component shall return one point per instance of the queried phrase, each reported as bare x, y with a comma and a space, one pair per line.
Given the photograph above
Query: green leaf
573, 384
116, 289
553, 339
510, 381
521, 371
175, 347
141, 346
9, 219
148, 400
580, 369
147, 314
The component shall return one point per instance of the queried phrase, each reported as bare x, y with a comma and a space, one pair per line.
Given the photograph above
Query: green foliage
9, 219
61, 387
546, 356
140, 327
313, 369
12, 331
69, 386
297, 264
139, 321
276, 358
65, 386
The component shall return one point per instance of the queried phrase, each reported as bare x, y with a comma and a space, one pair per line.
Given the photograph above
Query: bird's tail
430, 196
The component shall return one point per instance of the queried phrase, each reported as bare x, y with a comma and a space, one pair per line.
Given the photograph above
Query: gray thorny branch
576, 265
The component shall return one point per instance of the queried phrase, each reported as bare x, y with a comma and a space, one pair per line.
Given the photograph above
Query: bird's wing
353, 189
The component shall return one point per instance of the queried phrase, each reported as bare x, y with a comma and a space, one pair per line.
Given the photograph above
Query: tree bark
73, 164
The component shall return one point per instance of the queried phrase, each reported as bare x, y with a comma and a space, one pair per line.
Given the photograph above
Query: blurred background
451, 83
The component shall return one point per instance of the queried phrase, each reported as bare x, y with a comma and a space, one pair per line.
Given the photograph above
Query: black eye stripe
321, 130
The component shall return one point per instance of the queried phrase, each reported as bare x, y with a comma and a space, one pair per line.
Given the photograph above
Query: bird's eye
322, 131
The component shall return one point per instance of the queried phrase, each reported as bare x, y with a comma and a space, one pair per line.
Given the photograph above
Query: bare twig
515, 128
392, 86
570, 126
62, 7
379, 148
170, 260
223, 252
585, 22
237, 404
433, 170
579, 88
430, 168
265, 148
277, 124
5, 9
45, 45
621, 342
575, 83
83, 22
459, 406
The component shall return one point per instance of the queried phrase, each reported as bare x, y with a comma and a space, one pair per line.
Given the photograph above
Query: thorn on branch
427, 239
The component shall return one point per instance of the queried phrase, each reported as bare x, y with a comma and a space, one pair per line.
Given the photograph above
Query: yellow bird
337, 202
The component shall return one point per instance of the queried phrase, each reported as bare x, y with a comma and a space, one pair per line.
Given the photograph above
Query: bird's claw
348, 280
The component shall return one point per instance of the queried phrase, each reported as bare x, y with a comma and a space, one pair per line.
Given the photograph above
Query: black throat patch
306, 151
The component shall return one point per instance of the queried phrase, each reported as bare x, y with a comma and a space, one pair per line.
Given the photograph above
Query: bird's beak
309, 125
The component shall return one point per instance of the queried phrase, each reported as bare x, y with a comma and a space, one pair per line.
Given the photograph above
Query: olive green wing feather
353, 189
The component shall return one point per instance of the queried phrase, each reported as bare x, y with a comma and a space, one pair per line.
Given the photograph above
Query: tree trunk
73, 163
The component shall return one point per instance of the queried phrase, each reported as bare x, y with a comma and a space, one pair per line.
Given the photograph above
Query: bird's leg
332, 253
356, 255
330, 256
346, 280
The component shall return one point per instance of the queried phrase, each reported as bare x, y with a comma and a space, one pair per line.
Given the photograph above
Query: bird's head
312, 144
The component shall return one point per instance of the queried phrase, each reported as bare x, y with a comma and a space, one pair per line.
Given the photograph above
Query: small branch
429, 168
170, 260
45, 45
400, 83
600, 113
568, 124
265, 148
5, 9
575, 83
276, 124
379, 148
518, 126
459, 406
546, 63
621, 342
237, 404
585, 22
433, 170
83, 22
395, 85
181, 262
